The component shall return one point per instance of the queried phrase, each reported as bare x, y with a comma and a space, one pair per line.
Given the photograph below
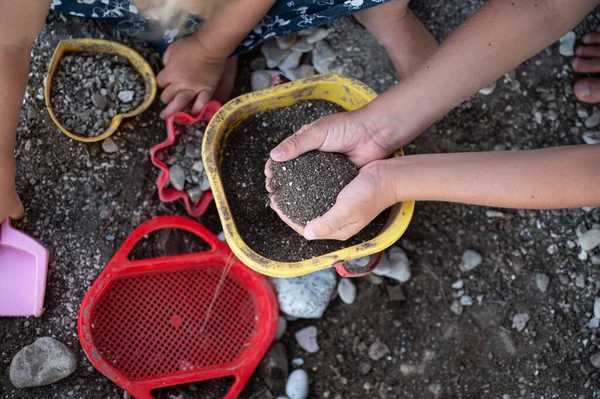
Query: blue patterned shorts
284, 18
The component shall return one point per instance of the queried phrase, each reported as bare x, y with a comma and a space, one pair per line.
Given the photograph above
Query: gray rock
590, 240
582, 113
458, 285
198, 166
303, 46
597, 308
593, 323
193, 151
303, 71
306, 296
394, 264
580, 282
177, 177
126, 96
297, 385
260, 80
281, 327
273, 368
307, 339
205, 184
520, 320
195, 194
494, 214
323, 56
552, 249
99, 101
456, 307
273, 54
286, 42
567, 44
470, 260
109, 146
307, 32
41, 363
318, 35
378, 350
290, 62
347, 291
466, 300
593, 121
595, 360
591, 137
542, 281
595, 260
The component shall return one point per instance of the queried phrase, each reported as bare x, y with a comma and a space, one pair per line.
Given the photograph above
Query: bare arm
19, 26
561, 177
498, 37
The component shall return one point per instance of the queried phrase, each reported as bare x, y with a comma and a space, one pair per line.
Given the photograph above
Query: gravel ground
82, 203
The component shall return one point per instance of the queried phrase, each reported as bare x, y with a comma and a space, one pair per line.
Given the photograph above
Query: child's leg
405, 38
588, 61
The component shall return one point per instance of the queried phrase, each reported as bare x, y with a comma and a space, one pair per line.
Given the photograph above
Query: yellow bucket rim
100, 46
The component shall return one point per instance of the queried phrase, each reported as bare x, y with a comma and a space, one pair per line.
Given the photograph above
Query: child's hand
357, 205
190, 76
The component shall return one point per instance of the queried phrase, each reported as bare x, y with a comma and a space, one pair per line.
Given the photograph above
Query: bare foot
223, 90
587, 60
405, 38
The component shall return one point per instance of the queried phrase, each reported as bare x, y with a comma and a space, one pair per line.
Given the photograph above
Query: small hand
357, 204
190, 76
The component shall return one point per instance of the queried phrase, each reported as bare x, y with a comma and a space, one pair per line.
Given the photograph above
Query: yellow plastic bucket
100, 46
348, 93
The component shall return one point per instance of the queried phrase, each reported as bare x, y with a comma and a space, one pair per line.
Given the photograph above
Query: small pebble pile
184, 158
88, 90
297, 56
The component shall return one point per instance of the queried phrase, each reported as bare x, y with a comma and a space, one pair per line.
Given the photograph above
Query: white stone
486, 91
542, 281
466, 300
195, 194
292, 61
458, 285
552, 249
360, 262
597, 308
323, 56
303, 71
347, 291
318, 35
456, 307
591, 137
567, 45
303, 46
494, 214
394, 264
307, 296
297, 385
470, 260
177, 177
593, 121
126, 96
260, 80
307, 339
198, 166
281, 327
273, 54
109, 146
520, 320
590, 240
286, 42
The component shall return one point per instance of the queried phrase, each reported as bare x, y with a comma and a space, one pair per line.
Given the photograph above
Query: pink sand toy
23, 270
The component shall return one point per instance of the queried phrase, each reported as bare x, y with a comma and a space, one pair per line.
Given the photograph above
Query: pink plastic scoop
23, 271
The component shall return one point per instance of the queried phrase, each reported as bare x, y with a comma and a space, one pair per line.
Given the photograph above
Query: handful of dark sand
307, 187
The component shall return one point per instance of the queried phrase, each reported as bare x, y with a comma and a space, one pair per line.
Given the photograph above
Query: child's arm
19, 26
562, 177
193, 66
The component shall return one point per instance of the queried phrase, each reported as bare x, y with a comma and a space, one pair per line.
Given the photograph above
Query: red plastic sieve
168, 194
144, 323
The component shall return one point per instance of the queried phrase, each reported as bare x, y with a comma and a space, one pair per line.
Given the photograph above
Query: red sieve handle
168, 222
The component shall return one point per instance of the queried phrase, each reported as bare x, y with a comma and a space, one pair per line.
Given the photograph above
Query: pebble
360, 262
305, 297
298, 362
594, 323
177, 177
542, 281
307, 339
41, 363
470, 260
281, 327
593, 121
323, 56
567, 44
395, 265
109, 146
347, 291
595, 260
195, 194
595, 360
297, 385
273, 368
303, 71
378, 350
582, 113
126, 96
590, 240
260, 80
198, 166
318, 35
285, 42
486, 91
303, 46
520, 321
456, 307
466, 300
273, 54
539, 118
580, 281
591, 137
597, 308
552, 249
364, 367
99, 101
292, 61
458, 285
494, 214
